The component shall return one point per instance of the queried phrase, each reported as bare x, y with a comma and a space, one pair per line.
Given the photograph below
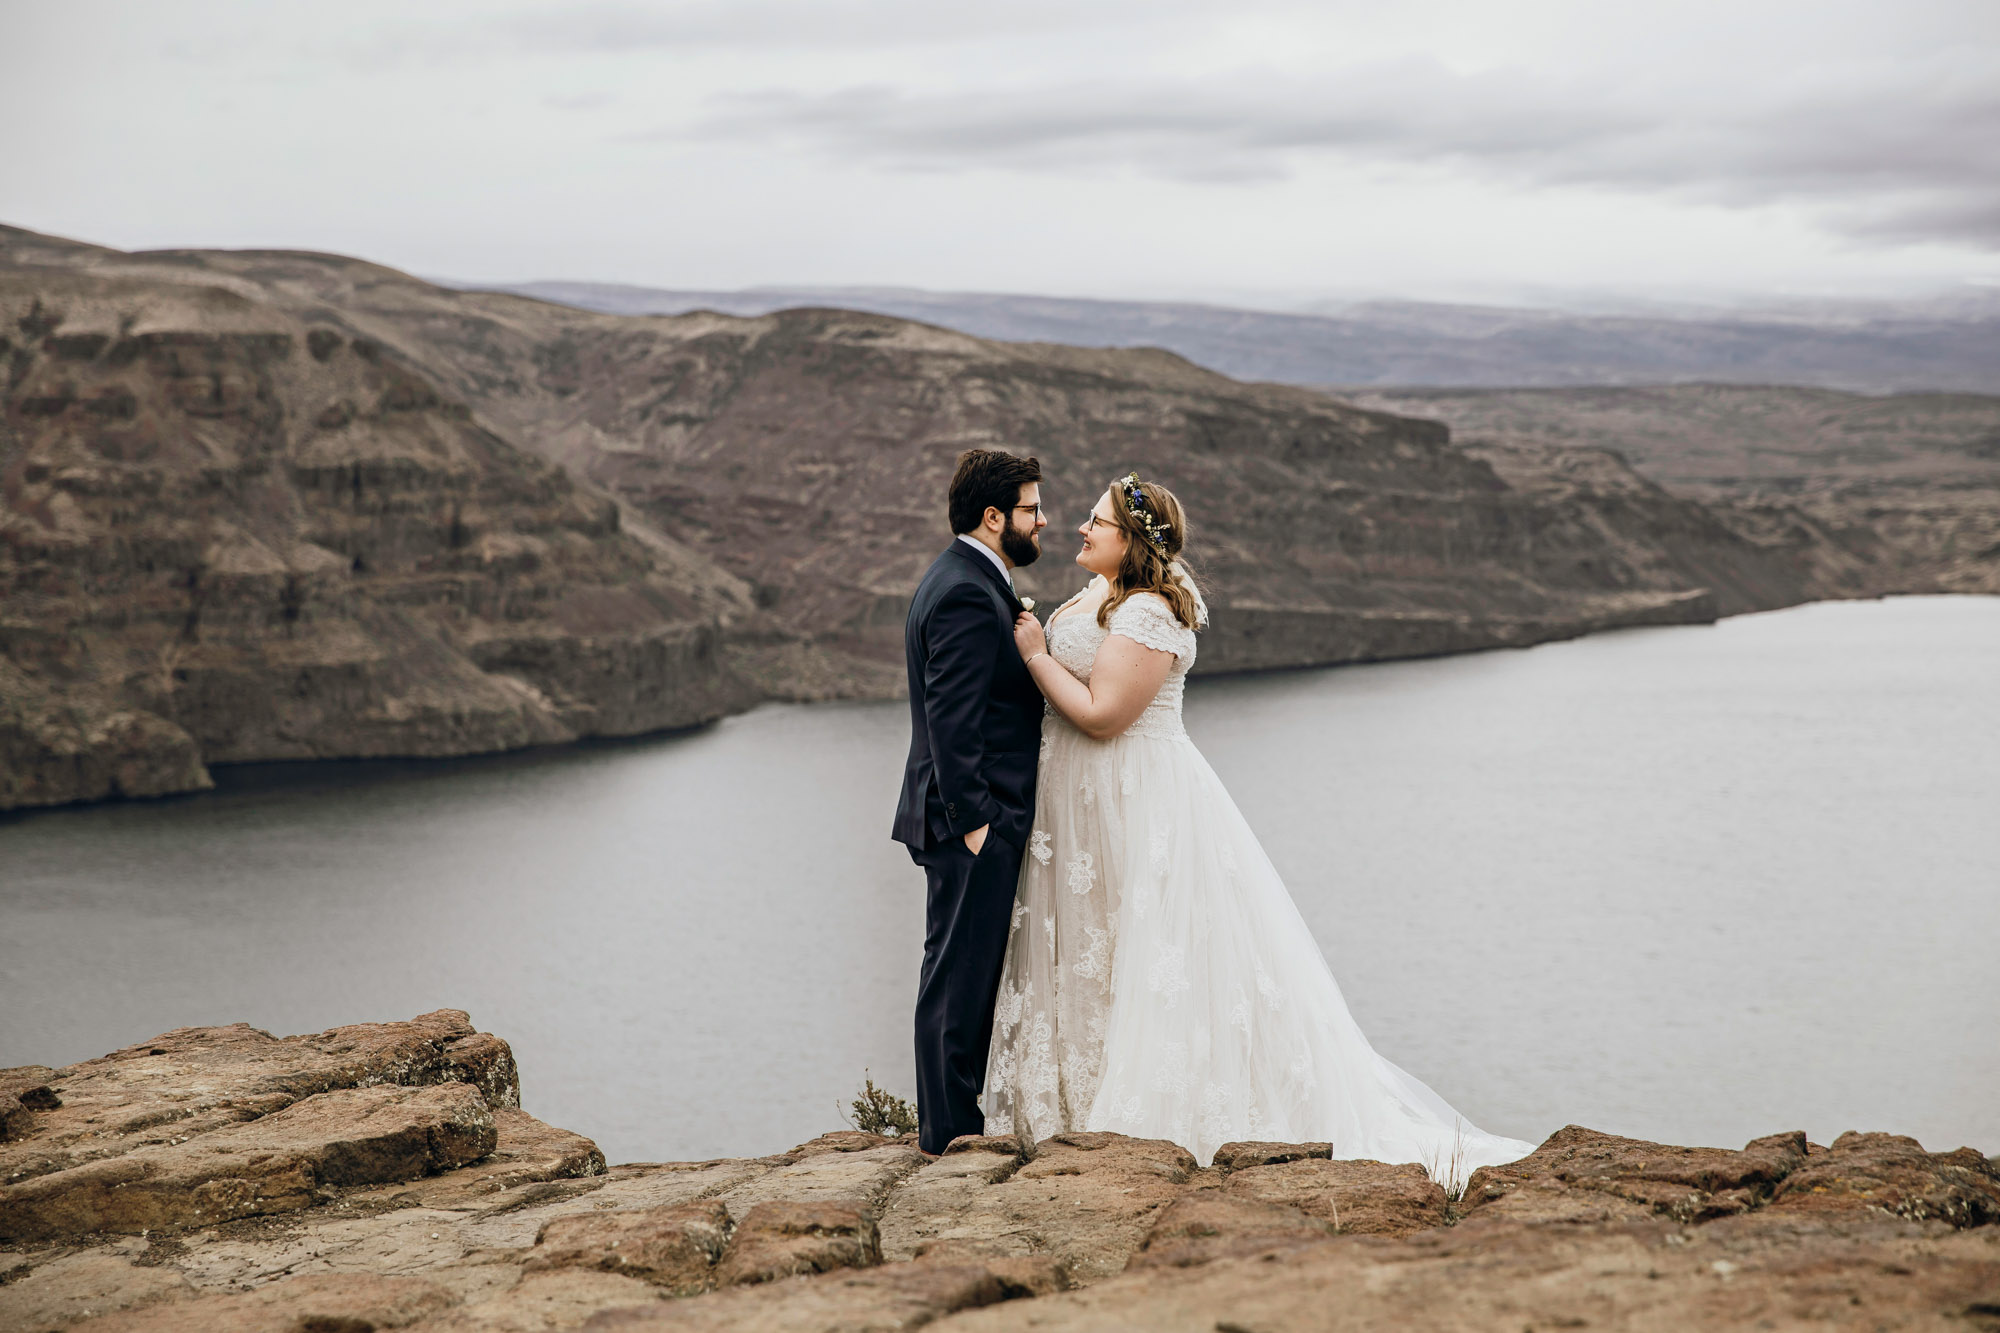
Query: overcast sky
1267, 153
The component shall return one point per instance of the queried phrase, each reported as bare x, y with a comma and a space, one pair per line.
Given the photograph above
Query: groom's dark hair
988, 479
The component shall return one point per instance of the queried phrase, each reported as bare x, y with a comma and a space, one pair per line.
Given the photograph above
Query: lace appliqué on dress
1167, 978
1096, 961
1145, 618
1047, 1060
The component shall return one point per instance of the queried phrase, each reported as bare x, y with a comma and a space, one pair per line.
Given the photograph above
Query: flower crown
1135, 505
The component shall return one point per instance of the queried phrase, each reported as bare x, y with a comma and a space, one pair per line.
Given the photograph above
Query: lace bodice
1074, 637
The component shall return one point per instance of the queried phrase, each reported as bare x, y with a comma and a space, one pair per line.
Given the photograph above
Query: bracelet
1031, 660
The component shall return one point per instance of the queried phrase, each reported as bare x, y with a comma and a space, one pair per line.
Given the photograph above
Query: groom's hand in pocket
977, 838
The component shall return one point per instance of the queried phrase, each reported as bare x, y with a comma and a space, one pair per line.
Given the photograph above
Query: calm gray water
1689, 884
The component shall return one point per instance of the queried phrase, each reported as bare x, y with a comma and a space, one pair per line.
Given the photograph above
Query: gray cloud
609, 27
1907, 155
1569, 144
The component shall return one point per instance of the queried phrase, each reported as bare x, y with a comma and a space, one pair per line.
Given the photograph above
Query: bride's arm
1123, 680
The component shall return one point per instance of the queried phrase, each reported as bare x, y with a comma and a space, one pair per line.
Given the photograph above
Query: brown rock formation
1205, 1225
1909, 482
1652, 1276
675, 1247
232, 529
1355, 1198
1237, 1156
905, 1296
276, 1164
325, 1303
855, 1231
202, 1126
1577, 1171
1893, 1174
781, 1238
261, 505
190, 1082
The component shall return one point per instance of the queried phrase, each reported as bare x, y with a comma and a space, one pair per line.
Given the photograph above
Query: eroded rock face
74, 1287
781, 1239
675, 1247
1755, 1272
859, 1180
234, 526
1089, 1199
1355, 1198
276, 1164
1582, 1175
296, 506
335, 1303
1237, 1156
857, 1231
1910, 482
1205, 1225
191, 1081
1894, 1174
904, 1296
23, 1091
202, 1126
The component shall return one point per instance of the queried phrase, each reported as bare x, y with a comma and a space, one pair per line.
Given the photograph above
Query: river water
1686, 884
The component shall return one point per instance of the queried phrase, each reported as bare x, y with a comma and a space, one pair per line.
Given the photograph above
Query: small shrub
1450, 1173
878, 1111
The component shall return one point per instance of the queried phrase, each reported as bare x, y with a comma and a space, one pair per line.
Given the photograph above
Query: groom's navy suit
975, 735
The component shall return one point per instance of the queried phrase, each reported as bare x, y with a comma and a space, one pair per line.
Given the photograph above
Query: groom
969, 783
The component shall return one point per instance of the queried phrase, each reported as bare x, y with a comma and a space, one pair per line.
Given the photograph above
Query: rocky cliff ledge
217, 1180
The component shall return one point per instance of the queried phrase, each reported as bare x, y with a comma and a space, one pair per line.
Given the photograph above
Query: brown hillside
267, 505
1917, 473
230, 531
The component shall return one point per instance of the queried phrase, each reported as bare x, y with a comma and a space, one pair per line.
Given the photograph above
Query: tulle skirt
1160, 982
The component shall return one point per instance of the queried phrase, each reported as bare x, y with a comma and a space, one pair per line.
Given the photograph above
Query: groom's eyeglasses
1035, 510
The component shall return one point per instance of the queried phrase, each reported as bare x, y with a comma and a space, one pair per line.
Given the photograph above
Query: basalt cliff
1918, 473
260, 505
383, 1176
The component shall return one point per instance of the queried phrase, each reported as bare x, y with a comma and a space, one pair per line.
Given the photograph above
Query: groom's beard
1018, 546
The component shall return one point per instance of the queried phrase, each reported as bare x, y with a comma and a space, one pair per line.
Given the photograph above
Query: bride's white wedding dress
1159, 980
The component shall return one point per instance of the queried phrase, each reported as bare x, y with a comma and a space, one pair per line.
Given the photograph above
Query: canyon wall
259, 505
230, 533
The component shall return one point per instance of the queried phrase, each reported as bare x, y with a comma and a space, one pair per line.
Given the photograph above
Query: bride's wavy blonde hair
1154, 537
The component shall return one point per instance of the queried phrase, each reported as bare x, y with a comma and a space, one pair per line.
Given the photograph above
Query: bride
1158, 979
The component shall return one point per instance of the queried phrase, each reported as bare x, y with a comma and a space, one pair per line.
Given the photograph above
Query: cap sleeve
1145, 618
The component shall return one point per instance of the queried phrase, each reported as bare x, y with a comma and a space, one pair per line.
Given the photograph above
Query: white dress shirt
990, 554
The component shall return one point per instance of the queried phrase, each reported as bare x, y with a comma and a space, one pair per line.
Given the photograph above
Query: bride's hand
1028, 635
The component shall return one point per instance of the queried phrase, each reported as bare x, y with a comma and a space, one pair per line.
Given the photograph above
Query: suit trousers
969, 907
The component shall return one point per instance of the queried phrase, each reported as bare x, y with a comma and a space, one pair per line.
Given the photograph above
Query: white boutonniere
1027, 603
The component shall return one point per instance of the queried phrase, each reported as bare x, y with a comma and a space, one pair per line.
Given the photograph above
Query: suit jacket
975, 714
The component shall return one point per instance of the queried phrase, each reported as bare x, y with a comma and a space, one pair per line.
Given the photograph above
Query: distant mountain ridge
1871, 348
268, 505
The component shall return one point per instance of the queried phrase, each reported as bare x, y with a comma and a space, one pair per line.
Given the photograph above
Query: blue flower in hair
1135, 505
